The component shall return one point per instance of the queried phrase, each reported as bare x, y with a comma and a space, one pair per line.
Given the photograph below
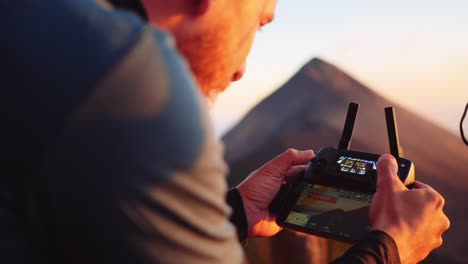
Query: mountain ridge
309, 110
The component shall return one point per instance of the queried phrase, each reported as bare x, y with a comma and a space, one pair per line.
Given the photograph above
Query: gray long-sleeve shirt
108, 153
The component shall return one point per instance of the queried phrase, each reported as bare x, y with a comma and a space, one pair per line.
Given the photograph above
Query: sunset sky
412, 52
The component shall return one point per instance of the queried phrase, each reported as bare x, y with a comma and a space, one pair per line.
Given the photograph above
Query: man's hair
133, 5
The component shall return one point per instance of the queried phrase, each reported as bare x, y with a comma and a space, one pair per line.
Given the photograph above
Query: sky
412, 52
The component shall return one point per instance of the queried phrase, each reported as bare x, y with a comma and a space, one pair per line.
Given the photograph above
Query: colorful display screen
331, 210
356, 166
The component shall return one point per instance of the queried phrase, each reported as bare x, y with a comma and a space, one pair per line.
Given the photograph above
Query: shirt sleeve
238, 217
376, 248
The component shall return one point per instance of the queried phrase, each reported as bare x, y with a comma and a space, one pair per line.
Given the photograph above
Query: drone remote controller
332, 197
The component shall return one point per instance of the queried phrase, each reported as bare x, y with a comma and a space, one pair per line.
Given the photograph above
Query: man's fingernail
386, 157
308, 152
392, 162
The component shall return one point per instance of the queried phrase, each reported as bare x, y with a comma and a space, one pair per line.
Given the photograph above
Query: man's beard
206, 56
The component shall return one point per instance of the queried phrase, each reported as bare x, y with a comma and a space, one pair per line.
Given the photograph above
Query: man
111, 158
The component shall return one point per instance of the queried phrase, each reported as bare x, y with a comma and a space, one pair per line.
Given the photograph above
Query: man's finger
282, 163
420, 185
295, 170
296, 157
387, 174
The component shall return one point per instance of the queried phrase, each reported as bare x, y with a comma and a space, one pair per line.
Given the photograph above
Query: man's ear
200, 7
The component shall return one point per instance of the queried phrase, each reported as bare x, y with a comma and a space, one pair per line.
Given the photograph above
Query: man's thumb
387, 173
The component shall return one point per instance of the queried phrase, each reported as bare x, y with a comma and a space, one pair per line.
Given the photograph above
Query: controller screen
332, 210
355, 165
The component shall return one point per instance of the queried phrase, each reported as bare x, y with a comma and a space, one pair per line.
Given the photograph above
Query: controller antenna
395, 149
346, 136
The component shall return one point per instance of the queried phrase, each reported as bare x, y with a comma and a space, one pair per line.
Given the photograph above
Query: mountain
309, 112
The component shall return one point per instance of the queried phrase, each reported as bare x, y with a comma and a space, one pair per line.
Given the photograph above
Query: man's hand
413, 218
262, 185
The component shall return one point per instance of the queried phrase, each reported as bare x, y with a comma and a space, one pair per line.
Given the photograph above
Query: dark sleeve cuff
376, 247
238, 217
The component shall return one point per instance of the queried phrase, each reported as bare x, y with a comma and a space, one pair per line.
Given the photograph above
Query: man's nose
239, 73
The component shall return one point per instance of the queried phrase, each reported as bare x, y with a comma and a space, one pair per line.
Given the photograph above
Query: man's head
215, 36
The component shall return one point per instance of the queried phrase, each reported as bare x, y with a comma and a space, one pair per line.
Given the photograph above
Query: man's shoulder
83, 36
56, 53
71, 52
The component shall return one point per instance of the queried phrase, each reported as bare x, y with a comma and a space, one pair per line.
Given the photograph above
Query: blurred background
411, 55
414, 53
